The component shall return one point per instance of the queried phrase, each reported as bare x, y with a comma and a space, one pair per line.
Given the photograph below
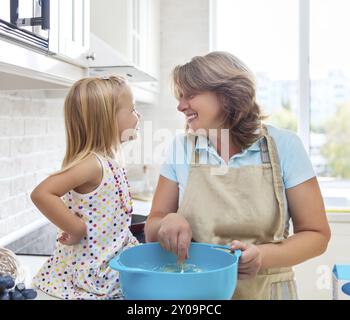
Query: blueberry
20, 287
5, 295
16, 295
3, 283
10, 282
29, 293
6, 282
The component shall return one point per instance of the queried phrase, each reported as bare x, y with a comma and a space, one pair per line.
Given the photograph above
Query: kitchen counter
31, 265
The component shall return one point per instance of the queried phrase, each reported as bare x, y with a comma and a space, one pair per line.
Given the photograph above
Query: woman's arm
165, 201
47, 195
310, 239
164, 224
311, 229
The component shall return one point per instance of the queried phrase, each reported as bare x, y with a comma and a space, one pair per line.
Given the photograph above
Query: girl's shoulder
92, 162
104, 160
85, 168
93, 169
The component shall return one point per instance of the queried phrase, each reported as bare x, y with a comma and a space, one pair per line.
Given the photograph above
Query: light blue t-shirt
295, 164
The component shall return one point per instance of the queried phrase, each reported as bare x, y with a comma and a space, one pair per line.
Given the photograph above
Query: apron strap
264, 151
195, 154
277, 180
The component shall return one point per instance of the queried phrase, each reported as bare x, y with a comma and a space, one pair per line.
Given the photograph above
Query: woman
268, 179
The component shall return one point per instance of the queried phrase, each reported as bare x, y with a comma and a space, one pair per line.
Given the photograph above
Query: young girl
94, 213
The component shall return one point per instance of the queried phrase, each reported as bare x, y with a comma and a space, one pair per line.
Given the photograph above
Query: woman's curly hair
234, 85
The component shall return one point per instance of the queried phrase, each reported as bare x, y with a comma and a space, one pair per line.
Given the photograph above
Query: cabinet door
111, 22
145, 35
54, 26
131, 27
74, 29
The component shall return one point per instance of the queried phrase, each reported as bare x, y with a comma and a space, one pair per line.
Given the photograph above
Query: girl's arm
47, 195
310, 238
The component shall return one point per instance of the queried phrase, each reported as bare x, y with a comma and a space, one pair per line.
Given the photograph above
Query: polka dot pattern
81, 271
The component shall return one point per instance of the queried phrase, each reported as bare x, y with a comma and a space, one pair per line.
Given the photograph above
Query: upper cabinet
37, 37
145, 35
82, 36
130, 27
74, 29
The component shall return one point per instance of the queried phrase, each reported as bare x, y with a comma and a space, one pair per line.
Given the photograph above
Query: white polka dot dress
81, 271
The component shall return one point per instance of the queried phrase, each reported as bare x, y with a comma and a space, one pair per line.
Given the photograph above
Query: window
264, 34
298, 44
330, 98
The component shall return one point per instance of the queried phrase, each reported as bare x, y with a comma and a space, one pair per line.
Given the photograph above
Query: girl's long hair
90, 113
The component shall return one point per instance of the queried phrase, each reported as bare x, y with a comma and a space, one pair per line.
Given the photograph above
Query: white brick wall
32, 146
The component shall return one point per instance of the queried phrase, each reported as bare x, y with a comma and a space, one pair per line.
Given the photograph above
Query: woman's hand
250, 262
175, 235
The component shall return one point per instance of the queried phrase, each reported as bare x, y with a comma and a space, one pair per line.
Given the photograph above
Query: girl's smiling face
127, 117
202, 110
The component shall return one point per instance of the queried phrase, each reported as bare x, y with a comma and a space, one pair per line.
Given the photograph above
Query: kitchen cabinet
32, 57
61, 27
131, 27
145, 35
31, 23
74, 30
24, 68
128, 28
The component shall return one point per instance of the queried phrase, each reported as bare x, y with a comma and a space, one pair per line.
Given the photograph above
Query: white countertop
31, 265
141, 207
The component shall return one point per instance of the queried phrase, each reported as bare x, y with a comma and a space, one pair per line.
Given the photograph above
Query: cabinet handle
91, 56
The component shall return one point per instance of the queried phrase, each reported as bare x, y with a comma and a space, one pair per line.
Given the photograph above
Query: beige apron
245, 204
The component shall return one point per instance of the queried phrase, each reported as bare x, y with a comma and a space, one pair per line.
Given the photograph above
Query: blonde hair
90, 113
234, 84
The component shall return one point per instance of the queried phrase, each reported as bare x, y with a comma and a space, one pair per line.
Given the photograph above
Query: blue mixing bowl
139, 280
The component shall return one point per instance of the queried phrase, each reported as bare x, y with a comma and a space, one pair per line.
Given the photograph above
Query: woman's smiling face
202, 111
